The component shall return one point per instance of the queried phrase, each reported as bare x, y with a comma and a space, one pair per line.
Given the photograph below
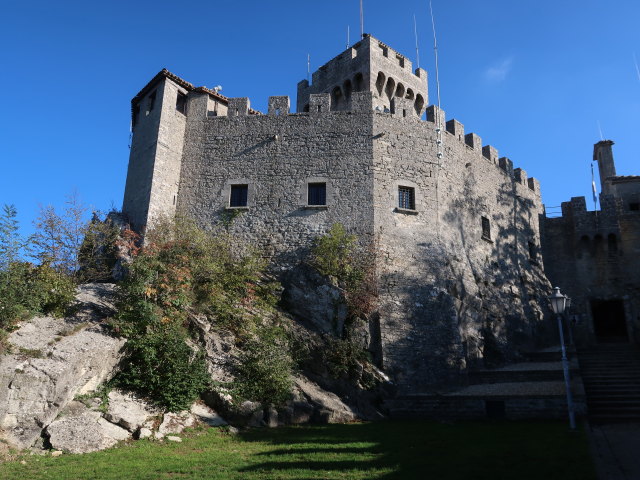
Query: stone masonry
456, 235
594, 256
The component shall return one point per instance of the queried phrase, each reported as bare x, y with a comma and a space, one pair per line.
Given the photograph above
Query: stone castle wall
451, 298
277, 156
452, 294
595, 256
448, 296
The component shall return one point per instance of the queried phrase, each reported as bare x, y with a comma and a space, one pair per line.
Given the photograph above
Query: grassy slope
398, 450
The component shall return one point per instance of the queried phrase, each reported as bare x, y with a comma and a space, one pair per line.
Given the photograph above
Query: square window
406, 198
317, 194
239, 195
181, 103
634, 207
486, 228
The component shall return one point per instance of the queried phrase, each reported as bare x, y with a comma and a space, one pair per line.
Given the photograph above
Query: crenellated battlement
367, 66
402, 109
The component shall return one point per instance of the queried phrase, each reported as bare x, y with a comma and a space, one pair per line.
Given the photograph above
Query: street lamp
558, 304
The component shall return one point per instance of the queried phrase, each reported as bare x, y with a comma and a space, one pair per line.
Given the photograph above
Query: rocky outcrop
84, 431
328, 407
52, 361
309, 296
128, 411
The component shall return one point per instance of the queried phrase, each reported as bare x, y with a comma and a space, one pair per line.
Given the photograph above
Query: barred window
238, 197
486, 228
317, 194
406, 198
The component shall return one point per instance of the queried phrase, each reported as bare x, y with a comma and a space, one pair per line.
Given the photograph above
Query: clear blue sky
533, 79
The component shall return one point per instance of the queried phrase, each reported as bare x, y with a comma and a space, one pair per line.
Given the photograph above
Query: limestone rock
128, 411
175, 423
83, 433
310, 296
53, 361
171, 438
207, 415
271, 417
330, 409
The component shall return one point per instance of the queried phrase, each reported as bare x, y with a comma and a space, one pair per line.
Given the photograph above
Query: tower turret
603, 153
367, 66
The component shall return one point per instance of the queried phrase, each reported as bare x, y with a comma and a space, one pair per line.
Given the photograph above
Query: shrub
183, 271
162, 366
339, 255
264, 372
26, 289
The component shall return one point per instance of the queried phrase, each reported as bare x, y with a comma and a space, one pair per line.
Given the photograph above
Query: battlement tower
367, 66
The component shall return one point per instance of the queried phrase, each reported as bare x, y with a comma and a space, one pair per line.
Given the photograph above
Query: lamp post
558, 304
567, 311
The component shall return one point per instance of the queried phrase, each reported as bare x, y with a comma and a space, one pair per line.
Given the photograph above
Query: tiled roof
164, 73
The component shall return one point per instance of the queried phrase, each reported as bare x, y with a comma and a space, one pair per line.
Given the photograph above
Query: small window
239, 194
486, 228
317, 194
634, 207
181, 103
533, 252
152, 101
406, 198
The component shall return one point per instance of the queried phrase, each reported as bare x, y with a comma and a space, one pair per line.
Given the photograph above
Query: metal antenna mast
437, 119
361, 20
348, 36
308, 68
594, 189
600, 131
415, 32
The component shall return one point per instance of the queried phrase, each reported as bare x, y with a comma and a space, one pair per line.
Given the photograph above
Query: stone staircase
611, 375
525, 390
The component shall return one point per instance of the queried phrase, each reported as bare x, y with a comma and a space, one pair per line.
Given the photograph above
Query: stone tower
367, 66
603, 153
159, 119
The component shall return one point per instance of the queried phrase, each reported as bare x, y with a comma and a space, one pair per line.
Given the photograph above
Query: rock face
128, 411
54, 360
84, 432
308, 296
328, 406
175, 423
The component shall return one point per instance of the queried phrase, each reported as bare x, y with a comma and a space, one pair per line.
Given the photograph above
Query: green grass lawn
385, 450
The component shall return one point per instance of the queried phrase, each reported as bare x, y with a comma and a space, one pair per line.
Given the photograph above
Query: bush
264, 372
180, 272
162, 366
339, 255
26, 290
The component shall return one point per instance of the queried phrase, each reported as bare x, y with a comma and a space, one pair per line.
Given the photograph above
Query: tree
10, 240
58, 238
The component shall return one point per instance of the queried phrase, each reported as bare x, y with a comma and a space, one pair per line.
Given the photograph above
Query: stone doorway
609, 321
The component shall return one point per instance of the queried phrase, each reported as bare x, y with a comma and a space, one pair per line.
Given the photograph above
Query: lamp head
558, 301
